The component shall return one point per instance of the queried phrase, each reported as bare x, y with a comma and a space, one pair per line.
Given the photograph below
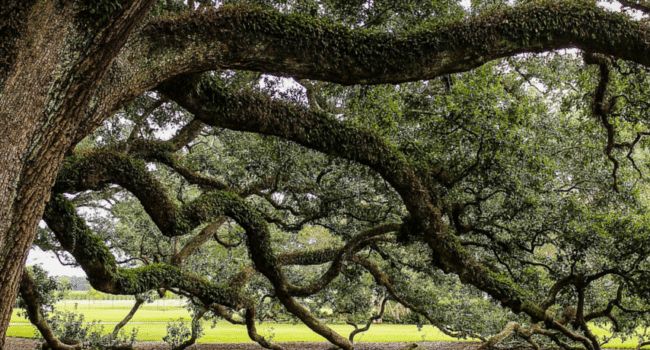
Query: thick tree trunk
33, 140
51, 67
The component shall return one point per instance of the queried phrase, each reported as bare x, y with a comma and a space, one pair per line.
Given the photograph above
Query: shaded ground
31, 344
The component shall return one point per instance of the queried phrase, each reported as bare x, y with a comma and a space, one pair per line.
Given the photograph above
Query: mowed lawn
152, 321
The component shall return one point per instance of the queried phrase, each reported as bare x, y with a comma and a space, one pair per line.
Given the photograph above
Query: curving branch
602, 109
139, 122
252, 331
104, 274
197, 241
98, 169
221, 311
195, 328
256, 39
139, 300
350, 248
243, 111
33, 300
383, 280
378, 316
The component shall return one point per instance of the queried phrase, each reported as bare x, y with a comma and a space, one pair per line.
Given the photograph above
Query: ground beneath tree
31, 344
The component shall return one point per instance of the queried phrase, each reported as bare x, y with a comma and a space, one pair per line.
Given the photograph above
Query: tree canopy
483, 165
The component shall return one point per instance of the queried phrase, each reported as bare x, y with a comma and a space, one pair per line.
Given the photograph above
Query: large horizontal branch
217, 106
249, 38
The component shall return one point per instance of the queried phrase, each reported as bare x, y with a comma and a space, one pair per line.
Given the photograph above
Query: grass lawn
152, 321
114, 311
227, 333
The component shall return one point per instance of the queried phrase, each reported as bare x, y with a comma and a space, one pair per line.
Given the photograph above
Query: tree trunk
33, 140
51, 65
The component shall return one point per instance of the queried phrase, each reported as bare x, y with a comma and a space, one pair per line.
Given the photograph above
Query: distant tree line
77, 283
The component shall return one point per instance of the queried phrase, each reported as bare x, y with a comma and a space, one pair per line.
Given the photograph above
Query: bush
414, 318
69, 326
50, 289
178, 332
388, 318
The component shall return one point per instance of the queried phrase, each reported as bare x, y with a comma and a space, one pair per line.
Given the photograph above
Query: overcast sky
51, 264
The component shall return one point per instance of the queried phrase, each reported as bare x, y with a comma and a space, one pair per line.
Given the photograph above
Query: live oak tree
519, 197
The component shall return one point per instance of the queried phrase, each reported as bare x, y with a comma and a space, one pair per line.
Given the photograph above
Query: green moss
97, 12
75, 235
145, 278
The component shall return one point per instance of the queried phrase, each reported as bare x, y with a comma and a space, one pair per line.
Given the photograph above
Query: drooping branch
217, 106
602, 109
139, 300
383, 280
195, 330
557, 288
350, 248
582, 323
252, 331
104, 275
96, 170
370, 321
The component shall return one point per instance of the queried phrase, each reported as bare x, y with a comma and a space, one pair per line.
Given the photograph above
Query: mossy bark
51, 73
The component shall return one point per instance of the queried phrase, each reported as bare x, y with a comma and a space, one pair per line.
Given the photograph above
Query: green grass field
152, 321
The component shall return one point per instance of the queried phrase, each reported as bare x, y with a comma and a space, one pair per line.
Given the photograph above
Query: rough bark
305, 48
48, 86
